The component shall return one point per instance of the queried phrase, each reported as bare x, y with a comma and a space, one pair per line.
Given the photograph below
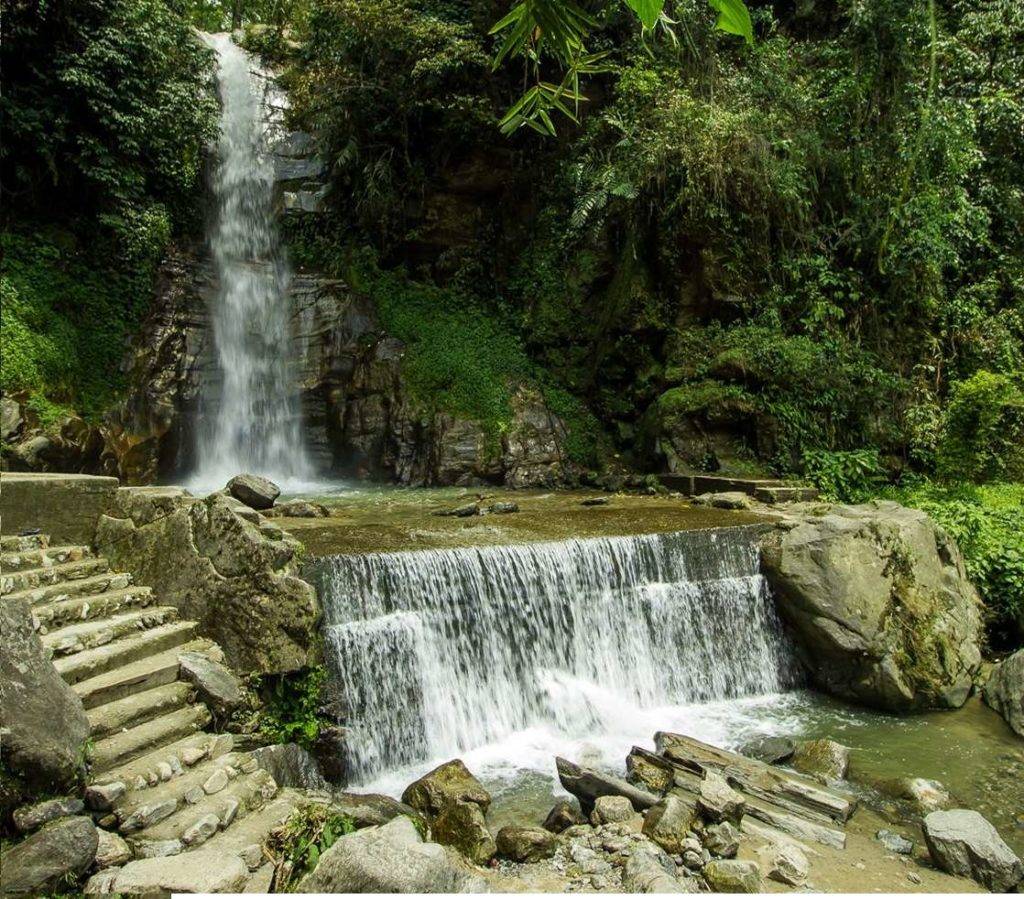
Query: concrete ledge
65, 506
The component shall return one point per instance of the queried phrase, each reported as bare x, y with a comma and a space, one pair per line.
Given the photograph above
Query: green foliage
988, 524
983, 430
106, 103
296, 846
291, 707
852, 476
68, 307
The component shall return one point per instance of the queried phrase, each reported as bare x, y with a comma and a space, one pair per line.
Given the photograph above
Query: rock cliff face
879, 603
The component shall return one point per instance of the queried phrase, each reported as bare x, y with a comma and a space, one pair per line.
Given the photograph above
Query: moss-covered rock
879, 603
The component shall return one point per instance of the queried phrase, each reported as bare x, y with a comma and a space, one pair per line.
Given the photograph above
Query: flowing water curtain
254, 423
440, 651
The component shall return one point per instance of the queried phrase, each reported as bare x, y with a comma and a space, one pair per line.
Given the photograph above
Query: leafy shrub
988, 524
846, 477
983, 430
291, 707
296, 846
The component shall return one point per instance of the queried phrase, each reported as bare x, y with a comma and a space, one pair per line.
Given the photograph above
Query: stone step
146, 771
143, 808
31, 578
75, 638
96, 661
135, 677
133, 710
13, 544
122, 747
89, 586
191, 825
55, 614
244, 838
42, 557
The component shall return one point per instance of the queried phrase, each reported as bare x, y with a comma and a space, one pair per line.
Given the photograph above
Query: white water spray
255, 423
445, 652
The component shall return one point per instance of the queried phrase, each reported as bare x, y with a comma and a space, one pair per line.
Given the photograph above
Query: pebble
913, 877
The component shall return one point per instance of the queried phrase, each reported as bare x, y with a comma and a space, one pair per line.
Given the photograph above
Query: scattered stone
788, 864
164, 771
111, 850
467, 511
216, 782
201, 830
563, 814
191, 755
300, 508
256, 492
390, 859
1004, 691
925, 795
32, 817
669, 822
42, 862
216, 684
201, 871
722, 840
587, 785
461, 825
962, 842
101, 797
729, 499
825, 759
157, 848
913, 877
595, 501
447, 784
525, 844
147, 815
611, 810
733, 876
588, 861
894, 842
718, 801
228, 811
194, 795
649, 870
771, 750
503, 508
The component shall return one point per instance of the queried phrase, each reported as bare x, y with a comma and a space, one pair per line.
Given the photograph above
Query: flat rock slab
201, 871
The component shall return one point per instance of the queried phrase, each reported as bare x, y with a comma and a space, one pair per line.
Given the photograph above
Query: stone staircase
158, 779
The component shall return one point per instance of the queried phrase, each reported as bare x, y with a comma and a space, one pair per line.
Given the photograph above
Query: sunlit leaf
734, 18
647, 10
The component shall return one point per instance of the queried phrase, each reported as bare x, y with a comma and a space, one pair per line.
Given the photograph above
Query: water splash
254, 424
441, 652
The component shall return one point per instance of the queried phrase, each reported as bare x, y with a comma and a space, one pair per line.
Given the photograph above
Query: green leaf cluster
296, 846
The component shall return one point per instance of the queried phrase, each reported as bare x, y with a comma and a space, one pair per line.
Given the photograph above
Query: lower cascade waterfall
437, 652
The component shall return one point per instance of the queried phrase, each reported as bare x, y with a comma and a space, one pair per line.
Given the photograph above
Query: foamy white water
254, 425
508, 655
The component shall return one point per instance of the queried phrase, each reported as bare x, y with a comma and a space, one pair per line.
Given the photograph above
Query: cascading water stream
437, 652
254, 424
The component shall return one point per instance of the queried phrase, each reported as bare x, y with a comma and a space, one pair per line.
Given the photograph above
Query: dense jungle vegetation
800, 254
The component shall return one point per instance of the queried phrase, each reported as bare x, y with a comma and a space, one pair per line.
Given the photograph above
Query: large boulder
199, 871
1005, 690
462, 826
254, 491
447, 784
733, 876
48, 859
525, 844
669, 823
825, 759
222, 564
962, 842
390, 859
43, 726
879, 603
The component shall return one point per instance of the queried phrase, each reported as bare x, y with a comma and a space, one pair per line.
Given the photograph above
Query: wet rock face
879, 603
1004, 691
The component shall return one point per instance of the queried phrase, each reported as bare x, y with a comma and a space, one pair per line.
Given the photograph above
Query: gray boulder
772, 750
787, 864
215, 683
43, 725
448, 783
254, 491
718, 801
669, 822
1004, 691
962, 842
525, 844
50, 857
563, 814
198, 871
733, 876
879, 603
722, 840
587, 785
32, 817
462, 826
390, 859
649, 870
824, 759
611, 810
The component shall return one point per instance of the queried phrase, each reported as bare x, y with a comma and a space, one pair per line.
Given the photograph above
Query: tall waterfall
254, 424
441, 651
